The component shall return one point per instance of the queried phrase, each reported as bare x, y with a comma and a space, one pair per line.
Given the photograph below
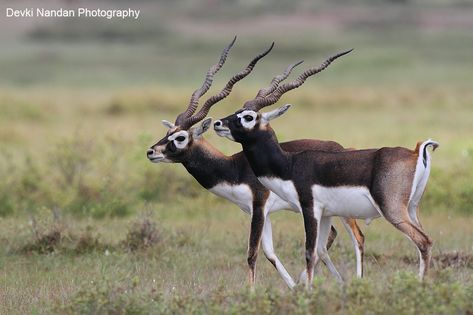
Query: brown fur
387, 173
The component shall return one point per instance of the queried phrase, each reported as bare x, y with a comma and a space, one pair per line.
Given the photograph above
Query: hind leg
419, 190
413, 210
417, 235
358, 240
422, 241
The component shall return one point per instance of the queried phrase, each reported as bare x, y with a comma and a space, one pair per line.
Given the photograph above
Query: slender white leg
303, 276
267, 241
323, 230
359, 272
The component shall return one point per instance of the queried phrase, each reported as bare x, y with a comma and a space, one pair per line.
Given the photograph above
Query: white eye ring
180, 139
248, 119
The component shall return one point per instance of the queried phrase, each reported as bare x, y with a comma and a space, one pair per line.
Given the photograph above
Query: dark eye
180, 138
248, 118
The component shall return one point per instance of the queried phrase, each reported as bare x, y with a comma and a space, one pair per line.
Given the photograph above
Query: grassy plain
78, 109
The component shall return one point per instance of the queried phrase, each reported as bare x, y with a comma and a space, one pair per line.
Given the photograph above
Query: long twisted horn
225, 91
258, 103
276, 80
205, 86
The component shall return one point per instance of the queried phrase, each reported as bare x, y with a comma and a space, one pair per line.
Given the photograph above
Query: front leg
310, 226
256, 231
271, 256
322, 235
331, 239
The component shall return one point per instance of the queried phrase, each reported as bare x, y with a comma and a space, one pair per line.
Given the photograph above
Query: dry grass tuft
142, 235
47, 238
454, 259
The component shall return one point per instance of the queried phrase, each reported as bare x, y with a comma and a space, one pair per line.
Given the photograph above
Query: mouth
156, 159
221, 130
224, 132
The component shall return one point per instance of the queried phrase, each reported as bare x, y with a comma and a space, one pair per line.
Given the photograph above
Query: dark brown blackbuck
231, 177
362, 184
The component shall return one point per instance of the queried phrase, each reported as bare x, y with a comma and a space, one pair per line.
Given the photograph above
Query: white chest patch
240, 195
285, 189
352, 202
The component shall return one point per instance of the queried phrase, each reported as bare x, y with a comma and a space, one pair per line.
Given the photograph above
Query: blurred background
74, 90
397, 41
82, 99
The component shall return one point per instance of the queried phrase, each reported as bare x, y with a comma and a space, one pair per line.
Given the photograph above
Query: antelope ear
167, 124
200, 129
266, 117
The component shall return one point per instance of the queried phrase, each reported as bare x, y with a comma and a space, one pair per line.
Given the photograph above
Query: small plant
143, 234
51, 234
109, 297
47, 237
88, 242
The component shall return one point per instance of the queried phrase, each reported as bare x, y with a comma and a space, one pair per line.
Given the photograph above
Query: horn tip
343, 53
231, 43
267, 51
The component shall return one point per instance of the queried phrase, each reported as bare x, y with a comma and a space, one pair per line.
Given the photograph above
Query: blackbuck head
184, 134
248, 124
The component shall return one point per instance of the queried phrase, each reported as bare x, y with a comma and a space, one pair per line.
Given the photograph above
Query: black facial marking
162, 141
238, 123
172, 147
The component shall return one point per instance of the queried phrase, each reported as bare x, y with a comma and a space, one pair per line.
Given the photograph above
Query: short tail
422, 150
421, 175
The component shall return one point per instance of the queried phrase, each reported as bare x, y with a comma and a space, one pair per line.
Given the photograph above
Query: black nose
218, 123
149, 152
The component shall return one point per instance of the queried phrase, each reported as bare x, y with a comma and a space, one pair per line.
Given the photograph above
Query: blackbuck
231, 177
363, 184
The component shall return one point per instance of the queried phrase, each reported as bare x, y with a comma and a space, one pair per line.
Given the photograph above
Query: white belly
285, 189
352, 202
241, 195
276, 203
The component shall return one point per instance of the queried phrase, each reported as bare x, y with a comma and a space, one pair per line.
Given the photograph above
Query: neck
207, 165
266, 156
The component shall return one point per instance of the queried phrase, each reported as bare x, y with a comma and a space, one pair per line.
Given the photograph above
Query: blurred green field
81, 101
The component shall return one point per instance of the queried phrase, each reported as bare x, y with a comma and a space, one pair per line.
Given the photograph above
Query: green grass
199, 265
81, 102
94, 171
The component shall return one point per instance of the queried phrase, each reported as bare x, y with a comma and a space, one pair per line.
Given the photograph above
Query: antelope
362, 184
231, 177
